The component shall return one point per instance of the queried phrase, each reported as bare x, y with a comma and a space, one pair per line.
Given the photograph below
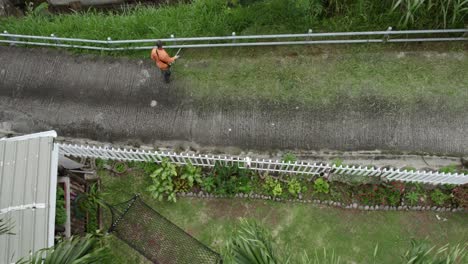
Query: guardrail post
172, 36
108, 42
10, 38
309, 32
233, 34
387, 36
56, 41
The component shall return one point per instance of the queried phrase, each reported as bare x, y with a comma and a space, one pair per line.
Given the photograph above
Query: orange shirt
161, 58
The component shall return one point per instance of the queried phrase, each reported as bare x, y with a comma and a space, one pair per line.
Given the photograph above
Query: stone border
329, 203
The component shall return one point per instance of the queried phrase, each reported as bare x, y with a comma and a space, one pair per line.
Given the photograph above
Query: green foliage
217, 17
412, 198
100, 163
443, 12
191, 174
438, 197
148, 167
208, 184
60, 211
321, 186
76, 250
162, 182
295, 187
272, 186
337, 162
409, 168
421, 253
449, 169
289, 157
230, 179
252, 244
120, 167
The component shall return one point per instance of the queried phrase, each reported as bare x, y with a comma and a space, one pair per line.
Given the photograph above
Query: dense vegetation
221, 17
167, 179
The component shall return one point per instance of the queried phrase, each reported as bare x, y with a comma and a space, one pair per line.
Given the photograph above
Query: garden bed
167, 181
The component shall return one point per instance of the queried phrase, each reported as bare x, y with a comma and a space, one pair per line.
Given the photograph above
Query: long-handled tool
178, 51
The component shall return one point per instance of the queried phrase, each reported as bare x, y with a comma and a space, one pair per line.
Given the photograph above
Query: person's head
159, 44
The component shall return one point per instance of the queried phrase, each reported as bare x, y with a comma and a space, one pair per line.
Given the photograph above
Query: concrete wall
121, 99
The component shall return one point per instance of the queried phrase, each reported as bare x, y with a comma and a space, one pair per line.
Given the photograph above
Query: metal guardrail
261, 165
240, 41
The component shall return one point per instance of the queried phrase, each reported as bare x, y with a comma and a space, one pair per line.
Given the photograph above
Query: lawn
295, 227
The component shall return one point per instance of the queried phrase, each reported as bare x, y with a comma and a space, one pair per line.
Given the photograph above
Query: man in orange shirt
163, 60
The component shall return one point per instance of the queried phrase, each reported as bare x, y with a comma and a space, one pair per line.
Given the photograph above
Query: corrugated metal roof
26, 166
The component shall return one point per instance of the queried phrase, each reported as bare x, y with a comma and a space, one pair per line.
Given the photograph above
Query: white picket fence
261, 165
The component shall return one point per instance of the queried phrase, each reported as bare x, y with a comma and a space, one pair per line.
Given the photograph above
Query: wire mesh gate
155, 237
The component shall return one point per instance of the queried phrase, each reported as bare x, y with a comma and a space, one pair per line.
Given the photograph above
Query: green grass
352, 234
215, 17
406, 76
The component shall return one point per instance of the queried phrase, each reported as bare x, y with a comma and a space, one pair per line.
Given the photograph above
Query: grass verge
396, 76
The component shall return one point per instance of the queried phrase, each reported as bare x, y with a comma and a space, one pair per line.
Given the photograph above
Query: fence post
233, 34
175, 42
387, 36
309, 32
247, 162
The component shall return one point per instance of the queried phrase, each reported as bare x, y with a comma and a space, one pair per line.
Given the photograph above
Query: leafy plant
208, 184
422, 253
412, 198
120, 167
252, 244
230, 179
60, 211
148, 167
295, 187
162, 182
289, 157
321, 186
438, 197
273, 186
191, 174
76, 250
449, 169
100, 163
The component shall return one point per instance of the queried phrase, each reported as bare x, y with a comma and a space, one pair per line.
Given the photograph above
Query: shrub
321, 186
191, 174
438, 197
162, 182
208, 184
295, 187
230, 179
273, 186
60, 211
412, 198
